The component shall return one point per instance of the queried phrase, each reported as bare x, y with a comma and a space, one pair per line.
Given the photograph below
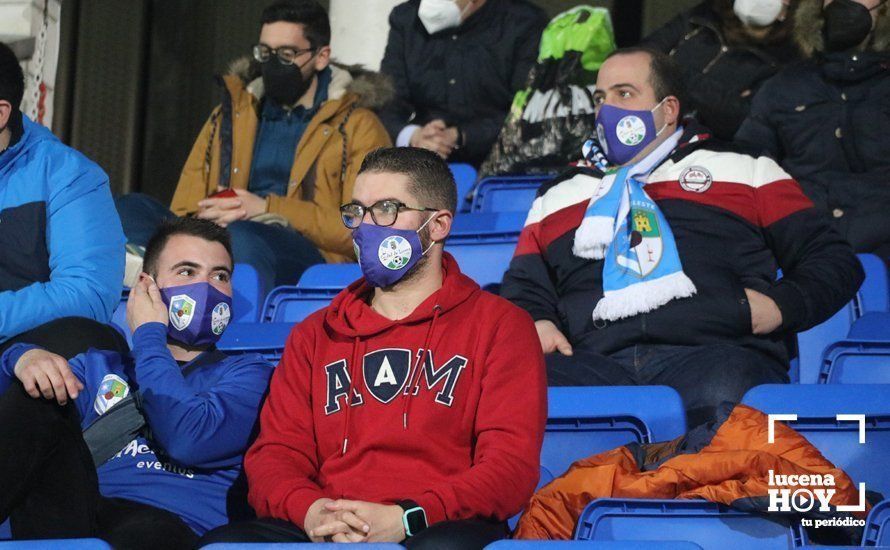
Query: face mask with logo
438, 15
623, 133
199, 313
757, 13
386, 254
284, 84
847, 24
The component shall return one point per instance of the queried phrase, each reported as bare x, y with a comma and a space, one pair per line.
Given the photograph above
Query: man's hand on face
222, 211
46, 374
766, 316
145, 304
552, 339
435, 137
324, 525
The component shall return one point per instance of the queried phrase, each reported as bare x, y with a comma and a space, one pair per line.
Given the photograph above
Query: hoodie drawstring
352, 383
414, 378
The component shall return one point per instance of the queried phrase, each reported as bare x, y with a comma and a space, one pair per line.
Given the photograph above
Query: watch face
415, 521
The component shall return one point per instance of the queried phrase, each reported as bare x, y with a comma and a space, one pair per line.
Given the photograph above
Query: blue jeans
279, 254
705, 376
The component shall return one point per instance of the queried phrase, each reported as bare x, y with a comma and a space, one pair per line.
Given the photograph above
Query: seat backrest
584, 421
329, 276
877, 526
811, 344
464, 177
874, 294
267, 339
507, 193
817, 407
247, 293
291, 304
707, 524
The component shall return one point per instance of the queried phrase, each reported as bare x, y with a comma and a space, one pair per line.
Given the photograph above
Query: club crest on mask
182, 310
220, 316
631, 130
394, 252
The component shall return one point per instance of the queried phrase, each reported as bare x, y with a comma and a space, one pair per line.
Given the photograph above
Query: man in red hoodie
413, 407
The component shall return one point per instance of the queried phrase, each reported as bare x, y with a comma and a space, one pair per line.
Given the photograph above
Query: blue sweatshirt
201, 423
61, 242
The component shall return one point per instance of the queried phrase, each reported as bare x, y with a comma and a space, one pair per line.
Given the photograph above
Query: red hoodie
464, 444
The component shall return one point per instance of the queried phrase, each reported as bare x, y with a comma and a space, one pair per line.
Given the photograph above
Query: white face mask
757, 13
438, 15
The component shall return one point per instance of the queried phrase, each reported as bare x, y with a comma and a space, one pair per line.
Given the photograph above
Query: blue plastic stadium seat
56, 544
306, 545
483, 244
816, 406
584, 421
5, 532
863, 357
291, 304
708, 524
591, 545
507, 193
877, 526
464, 177
267, 339
247, 294
874, 295
119, 317
330, 276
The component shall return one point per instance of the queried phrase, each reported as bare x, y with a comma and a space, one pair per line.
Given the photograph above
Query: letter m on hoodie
447, 374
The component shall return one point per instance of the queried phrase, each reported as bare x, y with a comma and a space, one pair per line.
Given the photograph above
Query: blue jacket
201, 417
61, 242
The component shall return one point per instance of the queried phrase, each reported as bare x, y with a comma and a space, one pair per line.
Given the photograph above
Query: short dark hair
12, 79
431, 180
195, 227
665, 75
309, 13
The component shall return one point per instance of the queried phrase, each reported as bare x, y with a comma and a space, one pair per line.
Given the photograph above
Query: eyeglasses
384, 213
285, 54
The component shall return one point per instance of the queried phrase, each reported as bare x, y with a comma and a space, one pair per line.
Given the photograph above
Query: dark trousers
70, 336
705, 376
279, 254
50, 487
447, 535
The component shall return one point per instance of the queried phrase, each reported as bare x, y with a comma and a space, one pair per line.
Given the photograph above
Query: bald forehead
632, 68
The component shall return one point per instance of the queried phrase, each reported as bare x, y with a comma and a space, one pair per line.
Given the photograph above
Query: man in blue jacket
180, 476
61, 242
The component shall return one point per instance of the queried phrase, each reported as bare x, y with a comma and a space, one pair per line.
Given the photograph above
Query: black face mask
284, 84
847, 24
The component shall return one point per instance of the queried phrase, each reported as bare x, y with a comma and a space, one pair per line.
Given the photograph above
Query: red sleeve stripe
760, 206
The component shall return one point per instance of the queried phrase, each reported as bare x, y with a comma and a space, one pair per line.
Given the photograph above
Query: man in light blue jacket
61, 242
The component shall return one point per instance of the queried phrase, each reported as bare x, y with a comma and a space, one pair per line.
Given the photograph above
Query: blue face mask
199, 313
386, 254
623, 133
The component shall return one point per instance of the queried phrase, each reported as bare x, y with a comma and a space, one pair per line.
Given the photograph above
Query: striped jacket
736, 219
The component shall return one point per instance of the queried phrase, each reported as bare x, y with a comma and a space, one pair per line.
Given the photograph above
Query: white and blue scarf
642, 269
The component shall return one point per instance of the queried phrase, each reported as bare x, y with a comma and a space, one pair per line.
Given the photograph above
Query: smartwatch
413, 517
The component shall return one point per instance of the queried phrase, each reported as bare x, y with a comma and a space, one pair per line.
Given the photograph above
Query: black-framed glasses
285, 54
384, 213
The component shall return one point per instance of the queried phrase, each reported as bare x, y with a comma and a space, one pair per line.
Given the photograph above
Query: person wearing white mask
455, 66
727, 49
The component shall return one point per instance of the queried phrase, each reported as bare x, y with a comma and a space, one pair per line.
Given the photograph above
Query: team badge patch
631, 130
112, 390
645, 247
182, 309
386, 372
394, 252
696, 179
219, 318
